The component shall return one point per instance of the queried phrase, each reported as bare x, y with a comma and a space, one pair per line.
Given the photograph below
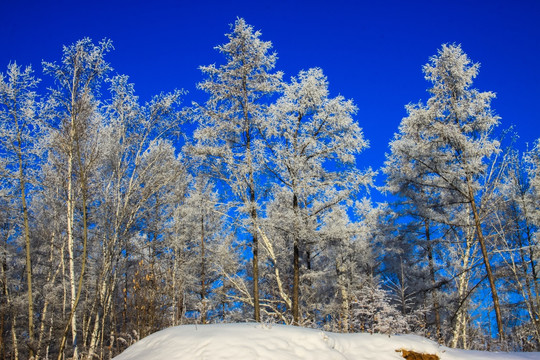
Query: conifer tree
442, 147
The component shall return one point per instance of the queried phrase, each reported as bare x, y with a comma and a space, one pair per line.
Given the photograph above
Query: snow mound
263, 341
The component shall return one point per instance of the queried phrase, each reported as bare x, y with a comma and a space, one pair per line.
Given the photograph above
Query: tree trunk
343, 290
253, 214
2, 325
103, 292
525, 289
125, 292
174, 314
75, 300
485, 256
257, 309
402, 288
22, 183
14, 338
270, 248
51, 279
432, 276
9, 306
71, 255
460, 325
296, 265
534, 278
203, 275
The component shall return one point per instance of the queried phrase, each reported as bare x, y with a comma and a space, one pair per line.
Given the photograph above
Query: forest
120, 218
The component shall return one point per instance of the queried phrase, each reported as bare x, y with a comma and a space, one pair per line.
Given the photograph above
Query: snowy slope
263, 341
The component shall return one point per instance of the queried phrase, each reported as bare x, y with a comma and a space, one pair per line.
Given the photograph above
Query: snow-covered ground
263, 341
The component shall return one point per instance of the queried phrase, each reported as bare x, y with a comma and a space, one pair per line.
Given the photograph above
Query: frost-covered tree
430, 255
374, 312
532, 160
512, 221
227, 124
19, 150
49, 261
196, 235
442, 147
73, 135
532, 213
347, 247
138, 165
311, 141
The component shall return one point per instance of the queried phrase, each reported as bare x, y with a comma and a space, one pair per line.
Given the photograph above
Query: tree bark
460, 325
71, 255
296, 266
485, 257
104, 290
257, 308
255, 244
76, 296
22, 184
269, 247
432, 276
203, 274
51, 279
9, 306
342, 284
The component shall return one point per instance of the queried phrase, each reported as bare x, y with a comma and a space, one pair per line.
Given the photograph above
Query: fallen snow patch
263, 341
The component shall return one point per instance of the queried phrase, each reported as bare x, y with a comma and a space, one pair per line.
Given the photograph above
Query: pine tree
442, 147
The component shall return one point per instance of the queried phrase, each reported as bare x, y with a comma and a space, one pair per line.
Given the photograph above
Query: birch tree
77, 81
12, 303
19, 130
227, 134
138, 162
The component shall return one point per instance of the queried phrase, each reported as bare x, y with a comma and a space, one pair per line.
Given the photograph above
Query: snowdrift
264, 341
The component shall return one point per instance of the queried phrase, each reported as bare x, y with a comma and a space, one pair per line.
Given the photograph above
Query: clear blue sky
371, 51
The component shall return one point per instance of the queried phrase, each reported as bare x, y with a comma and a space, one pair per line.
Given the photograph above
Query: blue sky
371, 51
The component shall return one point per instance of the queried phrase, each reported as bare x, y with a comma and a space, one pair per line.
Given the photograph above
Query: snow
265, 341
